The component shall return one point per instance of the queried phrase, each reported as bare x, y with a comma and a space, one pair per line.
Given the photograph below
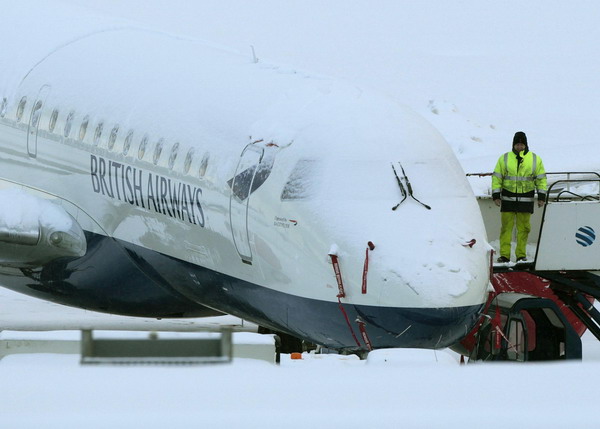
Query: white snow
390, 389
478, 71
26, 212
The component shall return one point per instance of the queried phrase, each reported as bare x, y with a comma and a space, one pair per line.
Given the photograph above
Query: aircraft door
34, 120
239, 200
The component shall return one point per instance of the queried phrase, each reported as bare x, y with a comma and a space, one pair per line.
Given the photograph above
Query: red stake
370, 246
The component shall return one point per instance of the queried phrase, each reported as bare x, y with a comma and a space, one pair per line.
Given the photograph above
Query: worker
518, 174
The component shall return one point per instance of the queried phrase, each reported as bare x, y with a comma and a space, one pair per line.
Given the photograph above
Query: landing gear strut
286, 343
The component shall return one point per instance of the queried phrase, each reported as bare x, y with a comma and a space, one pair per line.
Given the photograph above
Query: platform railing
569, 178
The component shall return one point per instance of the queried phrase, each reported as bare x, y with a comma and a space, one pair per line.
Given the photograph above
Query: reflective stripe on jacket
515, 181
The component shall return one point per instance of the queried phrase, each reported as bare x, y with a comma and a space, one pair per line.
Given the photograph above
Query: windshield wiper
405, 194
402, 189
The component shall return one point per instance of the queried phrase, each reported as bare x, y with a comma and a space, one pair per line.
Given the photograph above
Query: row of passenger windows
112, 138
298, 186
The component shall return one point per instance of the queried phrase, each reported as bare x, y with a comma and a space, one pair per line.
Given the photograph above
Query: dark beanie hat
520, 137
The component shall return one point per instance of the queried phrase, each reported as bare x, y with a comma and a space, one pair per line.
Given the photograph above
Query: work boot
503, 259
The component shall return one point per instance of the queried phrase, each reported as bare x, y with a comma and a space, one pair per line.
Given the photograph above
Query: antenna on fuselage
254, 57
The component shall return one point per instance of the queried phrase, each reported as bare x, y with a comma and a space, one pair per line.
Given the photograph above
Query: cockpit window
240, 185
253, 177
263, 171
299, 183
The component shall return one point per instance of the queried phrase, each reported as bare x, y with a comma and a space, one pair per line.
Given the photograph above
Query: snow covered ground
391, 389
479, 71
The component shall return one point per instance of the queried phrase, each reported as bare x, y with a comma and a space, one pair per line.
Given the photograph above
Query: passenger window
203, 165
142, 148
173, 155
3, 107
52, 122
69, 123
36, 113
113, 137
158, 151
188, 161
98, 134
127, 142
83, 127
21, 108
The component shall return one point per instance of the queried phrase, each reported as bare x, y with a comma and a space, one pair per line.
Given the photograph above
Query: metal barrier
133, 348
155, 350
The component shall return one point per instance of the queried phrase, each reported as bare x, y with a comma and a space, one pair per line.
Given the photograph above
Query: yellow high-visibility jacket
515, 179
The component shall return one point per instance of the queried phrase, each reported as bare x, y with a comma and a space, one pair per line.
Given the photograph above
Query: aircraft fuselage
190, 180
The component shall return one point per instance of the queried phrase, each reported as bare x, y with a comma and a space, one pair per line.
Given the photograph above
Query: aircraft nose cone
417, 327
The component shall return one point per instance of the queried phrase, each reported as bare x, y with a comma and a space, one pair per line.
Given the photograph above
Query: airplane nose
417, 327
426, 301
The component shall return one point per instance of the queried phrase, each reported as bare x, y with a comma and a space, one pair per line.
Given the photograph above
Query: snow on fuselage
204, 180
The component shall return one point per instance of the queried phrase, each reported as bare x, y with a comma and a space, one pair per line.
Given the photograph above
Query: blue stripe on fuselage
122, 278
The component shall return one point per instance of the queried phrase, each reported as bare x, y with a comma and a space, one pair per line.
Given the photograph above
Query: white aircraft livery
152, 175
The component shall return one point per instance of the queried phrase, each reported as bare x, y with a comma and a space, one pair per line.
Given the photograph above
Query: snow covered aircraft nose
424, 281
402, 189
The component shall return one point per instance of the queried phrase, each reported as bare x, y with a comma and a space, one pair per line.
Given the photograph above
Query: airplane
153, 175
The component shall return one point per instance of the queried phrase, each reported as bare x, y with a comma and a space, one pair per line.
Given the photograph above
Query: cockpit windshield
299, 184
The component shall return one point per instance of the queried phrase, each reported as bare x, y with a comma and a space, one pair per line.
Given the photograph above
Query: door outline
238, 208
34, 120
